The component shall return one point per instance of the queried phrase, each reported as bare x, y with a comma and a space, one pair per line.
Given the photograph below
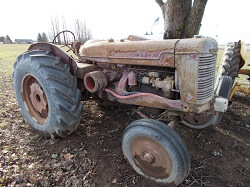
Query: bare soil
92, 156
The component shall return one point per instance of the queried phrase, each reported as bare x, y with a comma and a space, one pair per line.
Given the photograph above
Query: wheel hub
151, 157
35, 99
148, 157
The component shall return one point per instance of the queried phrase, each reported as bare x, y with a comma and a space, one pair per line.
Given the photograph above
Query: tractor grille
206, 78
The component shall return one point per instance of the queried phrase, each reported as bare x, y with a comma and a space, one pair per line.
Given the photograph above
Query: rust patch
122, 85
76, 47
95, 81
147, 99
151, 157
35, 99
187, 72
157, 172
154, 101
196, 45
147, 53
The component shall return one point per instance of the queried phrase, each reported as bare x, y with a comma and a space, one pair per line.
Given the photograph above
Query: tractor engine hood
147, 53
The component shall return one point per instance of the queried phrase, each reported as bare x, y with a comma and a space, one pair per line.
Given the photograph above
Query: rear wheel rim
151, 157
35, 99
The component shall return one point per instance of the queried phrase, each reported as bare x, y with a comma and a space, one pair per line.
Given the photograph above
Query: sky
224, 20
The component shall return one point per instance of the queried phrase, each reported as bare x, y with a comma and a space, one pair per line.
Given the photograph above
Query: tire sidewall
143, 131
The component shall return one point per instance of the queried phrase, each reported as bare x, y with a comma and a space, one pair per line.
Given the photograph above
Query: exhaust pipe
95, 81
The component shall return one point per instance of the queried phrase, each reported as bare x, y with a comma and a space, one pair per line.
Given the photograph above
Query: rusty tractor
174, 75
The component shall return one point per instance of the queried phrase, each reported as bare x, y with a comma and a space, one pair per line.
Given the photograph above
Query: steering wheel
65, 42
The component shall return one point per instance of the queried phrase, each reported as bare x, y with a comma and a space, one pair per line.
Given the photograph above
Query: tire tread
65, 98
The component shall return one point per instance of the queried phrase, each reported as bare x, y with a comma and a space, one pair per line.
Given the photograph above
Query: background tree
2, 39
55, 29
39, 37
8, 40
44, 37
182, 18
65, 27
82, 32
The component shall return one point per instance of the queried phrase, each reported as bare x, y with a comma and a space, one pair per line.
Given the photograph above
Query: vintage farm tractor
174, 75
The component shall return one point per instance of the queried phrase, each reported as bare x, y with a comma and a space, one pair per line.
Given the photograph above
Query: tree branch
162, 6
159, 2
193, 23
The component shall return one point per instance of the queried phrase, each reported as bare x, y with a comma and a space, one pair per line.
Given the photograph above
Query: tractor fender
77, 69
56, 51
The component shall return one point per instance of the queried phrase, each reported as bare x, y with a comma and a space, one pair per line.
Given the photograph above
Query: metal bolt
148, 157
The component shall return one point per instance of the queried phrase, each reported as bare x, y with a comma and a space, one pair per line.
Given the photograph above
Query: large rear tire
47, 93
231, 61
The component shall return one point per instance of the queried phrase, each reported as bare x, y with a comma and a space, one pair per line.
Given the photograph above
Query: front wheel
47, 93
156, 152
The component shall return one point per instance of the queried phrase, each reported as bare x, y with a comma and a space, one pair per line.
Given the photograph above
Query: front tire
156, 152
47, 93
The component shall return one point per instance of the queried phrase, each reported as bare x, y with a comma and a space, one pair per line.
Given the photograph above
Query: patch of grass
6, 148
8, 55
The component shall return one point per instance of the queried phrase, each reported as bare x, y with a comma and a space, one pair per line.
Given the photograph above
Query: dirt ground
92, 156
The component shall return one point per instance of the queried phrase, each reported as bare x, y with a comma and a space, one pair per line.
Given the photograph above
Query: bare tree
64, 27
82, 32
182, 18
50, 35
55, 28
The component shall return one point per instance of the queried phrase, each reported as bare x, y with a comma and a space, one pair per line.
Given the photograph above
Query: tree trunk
181, 18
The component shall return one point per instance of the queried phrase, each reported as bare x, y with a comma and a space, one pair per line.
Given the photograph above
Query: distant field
9, 53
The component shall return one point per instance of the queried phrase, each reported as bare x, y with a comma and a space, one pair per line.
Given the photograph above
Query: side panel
187, 74
195, 61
